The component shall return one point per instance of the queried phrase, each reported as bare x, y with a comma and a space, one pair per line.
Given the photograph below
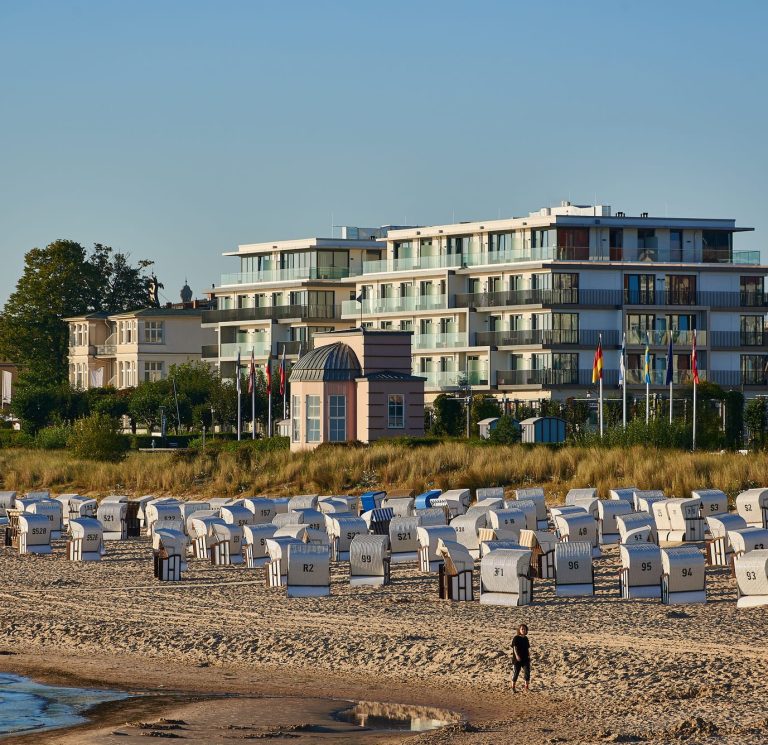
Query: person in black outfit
521, 648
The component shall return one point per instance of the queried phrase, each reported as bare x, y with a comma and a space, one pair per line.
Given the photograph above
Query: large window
716, 246
396, 411
752, 291
751, 331
616, 244
153, 332
754, 369
153, 371
647, 244
313, 418
640, 289
573, 243
295, 418
681, 289
337, 418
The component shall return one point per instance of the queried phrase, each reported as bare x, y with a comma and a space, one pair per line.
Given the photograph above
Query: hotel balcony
287, 275
394, 305
453, 379
550, 378
547, 338
693, 297
564, 253
272, 312
260, 349
586, 298
656, 337
441, 341
737, 339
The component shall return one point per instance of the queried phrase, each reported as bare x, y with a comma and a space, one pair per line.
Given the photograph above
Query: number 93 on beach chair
751, 570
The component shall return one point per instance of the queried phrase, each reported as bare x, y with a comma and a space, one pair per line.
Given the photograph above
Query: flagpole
239, 396
252, 375
623, 363
694, 414
600, 345
647, 370
670, 402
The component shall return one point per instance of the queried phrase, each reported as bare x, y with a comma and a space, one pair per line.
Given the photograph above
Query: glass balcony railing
454, 378
440, 341
571, 296
657, 337
260, 349
394, 304
547, 337
552, 377
722, 299
441, 261
659, 377
272, 312
287, 275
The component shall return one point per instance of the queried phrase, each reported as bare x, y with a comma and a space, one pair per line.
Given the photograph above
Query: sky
174, 130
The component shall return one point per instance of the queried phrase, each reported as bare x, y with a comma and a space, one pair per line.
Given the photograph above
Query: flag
237, 372
670, 363
7, 381
597, 364
622, 370
282, 373
268, 372
251, 373
360, 297
694, 360
647, 361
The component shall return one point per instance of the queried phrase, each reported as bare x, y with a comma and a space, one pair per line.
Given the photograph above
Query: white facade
515, 307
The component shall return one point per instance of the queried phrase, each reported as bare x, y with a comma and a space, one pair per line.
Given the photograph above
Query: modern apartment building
515, 307
125, 349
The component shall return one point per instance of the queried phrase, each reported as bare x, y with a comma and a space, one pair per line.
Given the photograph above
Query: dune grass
387, 466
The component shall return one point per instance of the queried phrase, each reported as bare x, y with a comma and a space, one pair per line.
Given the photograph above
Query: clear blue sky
175, 130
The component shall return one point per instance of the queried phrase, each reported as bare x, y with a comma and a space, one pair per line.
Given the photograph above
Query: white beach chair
644, 499
683, 576
255, 544
752, 505
493, 544
542, 546
636, 527
303, 502
263, 510
508, 523
579, 528
34, 533
200, 532
86, 541
432, 516
428, 538
113, 519
678, 520
586, 498
744, 540
713, 502
378, 520
467, 527
400, 506
718, 546
625, 493
53, 511
535, 495
226, 544
489, 492
277, 566
309, 571
608, 510
751, 570
343, 531
236, 514
169, 547
505, 577
574, 575
640, 575
403, 539
456, 572
369, 560
455, 501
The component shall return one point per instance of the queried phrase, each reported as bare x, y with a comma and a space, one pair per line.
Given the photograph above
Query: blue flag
670, 363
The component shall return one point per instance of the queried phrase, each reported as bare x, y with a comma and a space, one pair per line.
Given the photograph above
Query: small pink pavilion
356, 384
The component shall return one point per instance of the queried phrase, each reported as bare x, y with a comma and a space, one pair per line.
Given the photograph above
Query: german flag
597, 364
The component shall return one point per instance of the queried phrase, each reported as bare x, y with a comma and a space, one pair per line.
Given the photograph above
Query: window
681, 289
751, 291
716, 246
754, 369
640, 289
406, 325
313, 418
153, 332
573, 243
153, 371
676, 245
751, 331
396, 411
295, 419
616, 244
337, 418
647, 244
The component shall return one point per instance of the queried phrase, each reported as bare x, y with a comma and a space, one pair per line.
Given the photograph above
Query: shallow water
26, 706
390, 717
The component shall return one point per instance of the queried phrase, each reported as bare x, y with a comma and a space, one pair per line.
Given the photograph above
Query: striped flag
268, 372
597, 364
694, 360
647, 361
282, 373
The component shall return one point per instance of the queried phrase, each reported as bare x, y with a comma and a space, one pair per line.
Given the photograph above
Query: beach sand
604, 669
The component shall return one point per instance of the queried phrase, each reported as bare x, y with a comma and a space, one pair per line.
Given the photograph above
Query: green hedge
10, 438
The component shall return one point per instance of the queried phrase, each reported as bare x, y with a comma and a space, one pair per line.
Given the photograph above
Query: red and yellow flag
597, 364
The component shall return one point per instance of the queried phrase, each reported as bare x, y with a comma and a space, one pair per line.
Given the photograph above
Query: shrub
53, 437
96, 437
10, 438
506, 432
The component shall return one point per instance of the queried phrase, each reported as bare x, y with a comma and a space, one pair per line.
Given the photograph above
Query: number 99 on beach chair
369, 562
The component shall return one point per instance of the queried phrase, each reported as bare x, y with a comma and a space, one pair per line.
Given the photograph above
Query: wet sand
605, 669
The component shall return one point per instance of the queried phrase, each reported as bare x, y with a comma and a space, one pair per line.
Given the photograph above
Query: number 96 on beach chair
574, 575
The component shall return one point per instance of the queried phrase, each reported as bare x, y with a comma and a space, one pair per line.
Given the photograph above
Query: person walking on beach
521, 649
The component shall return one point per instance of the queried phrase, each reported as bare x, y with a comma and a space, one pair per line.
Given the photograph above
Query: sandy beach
235, 660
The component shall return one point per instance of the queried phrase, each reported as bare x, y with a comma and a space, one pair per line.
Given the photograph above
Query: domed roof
330, 362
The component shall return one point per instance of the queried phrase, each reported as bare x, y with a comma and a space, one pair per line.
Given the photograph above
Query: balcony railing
659, 377
552, 377
610, 298
394, 304
737, 378
547, 337
657, 337
454, 378
287, 275
260, 349
722, 299
272, 312
441, 341
441, 261
738, 338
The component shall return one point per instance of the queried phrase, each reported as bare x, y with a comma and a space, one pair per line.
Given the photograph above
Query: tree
56, 283
506, 432
449, 415
145, 402
95, 437
734, 419
60, 281
484, 406
754, 418
118, 286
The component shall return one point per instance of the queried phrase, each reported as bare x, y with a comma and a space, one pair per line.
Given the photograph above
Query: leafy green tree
34, 406
734, 419
506, 432
145, 402
449, 416
96, 437
59, 281
755, 419
484, 406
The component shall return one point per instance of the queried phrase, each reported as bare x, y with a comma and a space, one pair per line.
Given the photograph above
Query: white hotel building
514, 307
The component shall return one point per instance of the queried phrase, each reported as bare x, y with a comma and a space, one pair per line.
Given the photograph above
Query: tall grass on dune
385, 465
